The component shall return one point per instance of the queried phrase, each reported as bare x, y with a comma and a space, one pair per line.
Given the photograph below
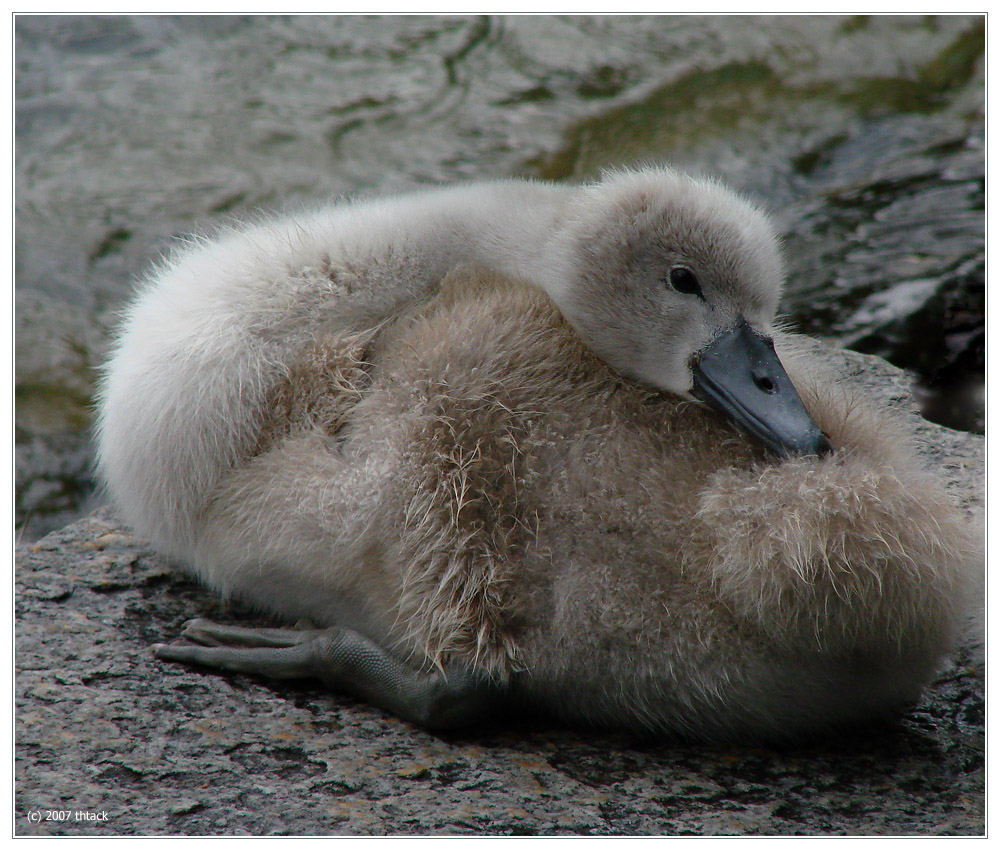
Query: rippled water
864, 136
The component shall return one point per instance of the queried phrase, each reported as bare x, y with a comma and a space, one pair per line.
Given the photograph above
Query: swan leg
345, 661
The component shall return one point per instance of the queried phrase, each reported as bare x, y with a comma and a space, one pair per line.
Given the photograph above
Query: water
864, 136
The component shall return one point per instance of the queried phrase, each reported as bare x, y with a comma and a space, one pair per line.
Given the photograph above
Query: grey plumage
467, 484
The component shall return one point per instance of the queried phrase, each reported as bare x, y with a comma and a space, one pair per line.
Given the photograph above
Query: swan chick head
675, 281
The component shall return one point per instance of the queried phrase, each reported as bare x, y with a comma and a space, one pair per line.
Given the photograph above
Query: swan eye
684, 281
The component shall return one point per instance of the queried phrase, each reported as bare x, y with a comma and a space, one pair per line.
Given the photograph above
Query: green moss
955, 65
742, 97
698, 104
228, 203
536, 94
43, 408
112, 243
855, 23
932, 86
602, 82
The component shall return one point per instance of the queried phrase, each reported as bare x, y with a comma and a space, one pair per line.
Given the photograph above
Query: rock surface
110, 741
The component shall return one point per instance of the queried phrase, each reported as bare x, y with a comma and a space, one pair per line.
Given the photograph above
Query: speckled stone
114, 742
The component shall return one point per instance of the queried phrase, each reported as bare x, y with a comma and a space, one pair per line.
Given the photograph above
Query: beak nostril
764, 383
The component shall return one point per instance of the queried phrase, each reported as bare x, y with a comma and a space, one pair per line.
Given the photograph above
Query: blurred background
864, 136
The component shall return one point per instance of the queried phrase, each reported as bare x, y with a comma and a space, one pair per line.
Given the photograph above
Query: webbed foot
344, 660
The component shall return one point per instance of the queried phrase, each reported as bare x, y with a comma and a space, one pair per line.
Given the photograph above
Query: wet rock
110, 741
936, 327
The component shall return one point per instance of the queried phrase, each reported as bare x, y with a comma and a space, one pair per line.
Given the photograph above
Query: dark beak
739, 374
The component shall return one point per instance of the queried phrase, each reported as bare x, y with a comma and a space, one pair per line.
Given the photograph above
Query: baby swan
651, 268
462, 487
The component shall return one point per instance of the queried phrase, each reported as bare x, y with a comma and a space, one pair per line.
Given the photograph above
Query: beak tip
817, 444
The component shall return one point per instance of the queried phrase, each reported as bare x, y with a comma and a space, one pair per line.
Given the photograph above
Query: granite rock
110, 741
